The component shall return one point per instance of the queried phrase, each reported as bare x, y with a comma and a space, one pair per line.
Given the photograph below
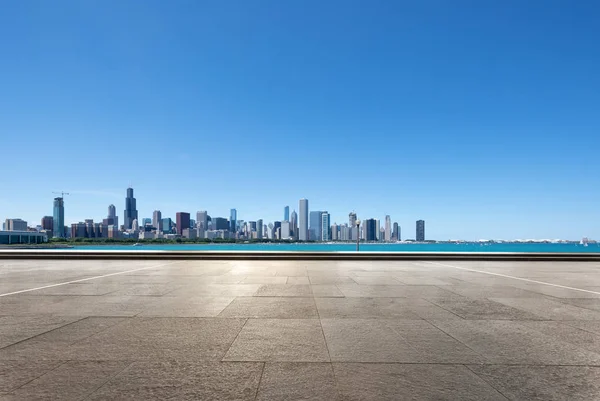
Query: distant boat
137, 244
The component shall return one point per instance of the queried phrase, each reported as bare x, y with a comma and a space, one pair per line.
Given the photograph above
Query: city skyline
479, 117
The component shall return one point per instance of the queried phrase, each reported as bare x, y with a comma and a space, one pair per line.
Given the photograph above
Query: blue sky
480, 117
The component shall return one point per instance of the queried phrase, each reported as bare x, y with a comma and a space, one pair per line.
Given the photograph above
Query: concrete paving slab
284, 290
298, 381
279, 340
271, 307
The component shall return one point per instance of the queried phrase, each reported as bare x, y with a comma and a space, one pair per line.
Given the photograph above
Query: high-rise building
15, 225
370, 230
202, 219
294, 225
146, 221
396, 232
131, 212
220, 223
58, 219
325, 226
377, 229
303, 229
352, 224
259, 229
388, 229
233, 221
276, 225
47, 223
420, 231
157, 220
166, 225
135, 226
286, 213
285, 230
182, 220
334, 232
314, 228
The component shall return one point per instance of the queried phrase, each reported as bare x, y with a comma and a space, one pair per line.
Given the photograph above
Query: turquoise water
407, 247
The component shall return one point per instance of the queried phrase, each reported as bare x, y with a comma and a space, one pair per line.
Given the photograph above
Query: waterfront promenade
299, 330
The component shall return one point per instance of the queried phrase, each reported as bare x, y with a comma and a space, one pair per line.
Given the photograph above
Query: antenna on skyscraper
62, 193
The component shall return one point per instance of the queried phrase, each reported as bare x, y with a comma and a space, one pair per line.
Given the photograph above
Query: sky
479, 117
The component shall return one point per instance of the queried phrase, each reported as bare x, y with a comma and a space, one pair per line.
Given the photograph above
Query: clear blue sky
480, 117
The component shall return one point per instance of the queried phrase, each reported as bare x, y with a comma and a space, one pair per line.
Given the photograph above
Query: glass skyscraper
131, 212
303, 229
233, 221
59, 218
286, 213
420, 230
314, 231
325, 225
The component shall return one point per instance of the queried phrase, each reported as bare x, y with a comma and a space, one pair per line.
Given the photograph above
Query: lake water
348, 247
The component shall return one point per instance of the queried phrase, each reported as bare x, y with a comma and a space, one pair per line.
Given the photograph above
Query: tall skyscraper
167, 225
420, 231
157, 220
112, 211
388, 229
377, 230
259, 229
233, 221
303, 229
352, 224
131, 212
58, 218
286, 213
294, 225
134, 225
202, 219
370, 230
335, 232
315, 225
325, 226
285, 230
396, 232
220, 223
182, 220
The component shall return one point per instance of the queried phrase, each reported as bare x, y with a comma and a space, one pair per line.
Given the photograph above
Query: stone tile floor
299, 330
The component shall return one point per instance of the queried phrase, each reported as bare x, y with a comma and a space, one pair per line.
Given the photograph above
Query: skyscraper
325, 223
286, 213
47, 223
59, 218
112, 219
396, 232
202, 219
259, 229
157, 220
285, 230
233, 221
220, 223
377, 230
420, 231
303, 229
315, 224
388, 229
182, 220
294, 225
352, 224
370, 230
131, 212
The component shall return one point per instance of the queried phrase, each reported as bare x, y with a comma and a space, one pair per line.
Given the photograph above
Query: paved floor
291, 330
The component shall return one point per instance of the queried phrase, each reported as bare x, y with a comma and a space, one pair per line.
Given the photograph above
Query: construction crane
62, 193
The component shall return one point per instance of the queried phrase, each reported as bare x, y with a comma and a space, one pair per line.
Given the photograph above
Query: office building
334, 232
47, 223
396, 232
377, 230
146, 221
15, 225
276, 225
167, 225
286, 213
78, 230
315, 226
58, 218
420, 231
202, 219
370, 228
233, 220
182, 220
112, 215
189, 233
131, 212
344, 233
294, 225
387, 236
325, 226
220, 223
259, 229
285, 230
135, 226
157, 220
303, 223
352, 225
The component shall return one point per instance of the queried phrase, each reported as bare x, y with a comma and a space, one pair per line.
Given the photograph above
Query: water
348, 247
